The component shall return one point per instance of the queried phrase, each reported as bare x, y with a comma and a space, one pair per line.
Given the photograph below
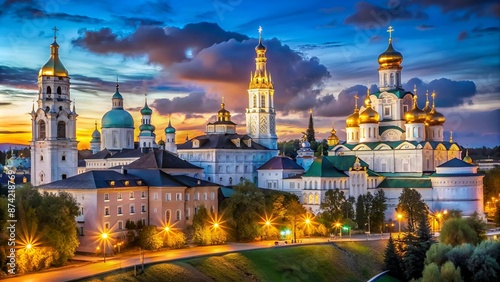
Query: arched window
311, 199
167, 216
178, 215
63, 158
59, 90
61, 129
262, 101
316, 199
230, 181
242, 179
209, 179
255, 100
49, 90
41, 177
41, 130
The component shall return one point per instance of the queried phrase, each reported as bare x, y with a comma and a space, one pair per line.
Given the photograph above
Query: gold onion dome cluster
415, 115
434, 117
390, 58
369, 115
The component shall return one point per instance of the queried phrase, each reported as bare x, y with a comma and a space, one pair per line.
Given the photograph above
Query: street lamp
308, 222
29, 246
338, 226
400, 216
104, 237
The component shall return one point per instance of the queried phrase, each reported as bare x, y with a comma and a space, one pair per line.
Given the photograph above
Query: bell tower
54, 151
260, 114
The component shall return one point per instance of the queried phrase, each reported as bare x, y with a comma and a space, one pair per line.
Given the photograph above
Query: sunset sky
187, 55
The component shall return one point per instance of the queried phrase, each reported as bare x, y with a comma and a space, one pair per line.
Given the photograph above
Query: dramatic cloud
220, 62
449, 93
469, 127
195, 102
163, 46
18, 77
371, 16
343, 105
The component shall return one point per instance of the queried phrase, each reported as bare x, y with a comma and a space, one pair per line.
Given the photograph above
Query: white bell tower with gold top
260, 114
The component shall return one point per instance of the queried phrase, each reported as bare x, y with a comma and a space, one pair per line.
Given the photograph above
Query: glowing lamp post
308, 222
400, 216
104, 237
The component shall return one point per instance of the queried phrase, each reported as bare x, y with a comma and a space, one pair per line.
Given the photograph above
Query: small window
81, 231
178, 197
106, 211
139, 182
212, 196
106, 226
41, 158
205, 196
119, 196
63, 158
62, 177
143, 194
187, 197
81, 211
127, 183
167, 216
155, 196
119, 210
178, 215
168, 197
106, 197
120, 225
143, 208
132, 209
131, 195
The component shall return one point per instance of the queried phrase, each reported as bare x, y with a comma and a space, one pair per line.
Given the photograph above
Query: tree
478, 226
310, 129
244, 208
392, 261
377, 209
456, 231
491, 183
348, 208
149, 238
413, 207
47, 221
332, 205
295, 211
416, 249
174, 239
361, 216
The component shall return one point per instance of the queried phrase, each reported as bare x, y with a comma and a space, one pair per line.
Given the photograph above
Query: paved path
96, 266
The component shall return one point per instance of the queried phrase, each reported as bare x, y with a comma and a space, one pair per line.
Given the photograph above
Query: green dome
146, 111
169, 129
117, 94
117, 118
147, 127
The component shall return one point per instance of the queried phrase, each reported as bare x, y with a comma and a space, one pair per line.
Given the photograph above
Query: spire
427, 108
74, 106
187, 136
261, 78
310, 128
368, 102
451, 136
33, 107
356, 101
146, 111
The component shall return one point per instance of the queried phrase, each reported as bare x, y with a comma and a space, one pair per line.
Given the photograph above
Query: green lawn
343, 261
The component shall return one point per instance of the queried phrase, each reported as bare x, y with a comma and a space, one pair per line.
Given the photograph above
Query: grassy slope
346, 261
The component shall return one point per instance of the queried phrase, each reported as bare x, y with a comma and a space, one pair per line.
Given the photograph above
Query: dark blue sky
188, 54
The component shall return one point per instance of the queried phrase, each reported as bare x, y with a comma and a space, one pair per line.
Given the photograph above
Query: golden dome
467, 158
53, 67
369, 115
353, 119
433, 117
390, 58
223, 114
333, 139
415, 115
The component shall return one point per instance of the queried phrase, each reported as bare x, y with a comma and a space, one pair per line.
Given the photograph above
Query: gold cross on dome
260, 30
390, 30
356, 100
55, 32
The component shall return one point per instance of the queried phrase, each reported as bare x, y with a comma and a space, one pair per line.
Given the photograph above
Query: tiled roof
405, 183
280, 162
160, 159
221, 141
193, 182
93, 179
116, 154
455, 163
156, 177
399, 92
